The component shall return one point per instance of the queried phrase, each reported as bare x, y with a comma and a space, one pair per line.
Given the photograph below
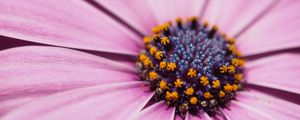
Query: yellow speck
178, 20
147, 62
153, 75
205, 23
223, 69
215, 28
194, 18
189, 91
165, 40
193, 100
235, 62
162, 64
238, 76
159, 55
171, 96
153, 50
231, 48
207, 95
192, 73
231, 40
231, 69
178, 83
204, 80
228, 88
216, 84
171, 66
163, 85
147, 40
235, 87
142, 57
221, 94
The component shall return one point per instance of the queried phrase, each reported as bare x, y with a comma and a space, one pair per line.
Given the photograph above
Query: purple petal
68, 23
277, 30
112, 101
277, 108
157, 111
280, 71
30, 72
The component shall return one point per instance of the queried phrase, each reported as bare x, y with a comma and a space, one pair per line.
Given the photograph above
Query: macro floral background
75, 59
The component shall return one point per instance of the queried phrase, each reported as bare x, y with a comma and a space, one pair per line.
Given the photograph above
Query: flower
65, 81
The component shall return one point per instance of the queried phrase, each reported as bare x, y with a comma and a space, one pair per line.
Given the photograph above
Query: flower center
191, 66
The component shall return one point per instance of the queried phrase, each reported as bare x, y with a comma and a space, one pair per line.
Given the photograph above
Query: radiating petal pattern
276, 107
233, 15
201, 116
137, 13
111, 101
29, 72
277, 30
157, 111
244, 111
279, 71
169, 10
66, 23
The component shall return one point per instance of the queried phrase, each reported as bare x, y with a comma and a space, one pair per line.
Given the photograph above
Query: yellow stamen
147, 62
162, 65
221, 94
163, 85
153, 75
231, 48
205, 23
192, 73
147, 40
231, 69
171, 66
194, 18
171, 96
235, 62
153, 50
235, 87
178, 20
165, 40
142, 57
223, 69
216, 84
159, 55
178, 83
228, 88
207, 95
204, 80
231, 40
193, 100
238, 77
189, 91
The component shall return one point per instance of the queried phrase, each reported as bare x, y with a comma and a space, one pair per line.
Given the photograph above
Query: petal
137, 13
112, 101
201, 116
277, 30
233, 15
169, 10
69, 23
278, 108
157, 111
244, 111
278, 71
34, 71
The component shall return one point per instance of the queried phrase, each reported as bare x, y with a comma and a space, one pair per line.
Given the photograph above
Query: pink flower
62, 79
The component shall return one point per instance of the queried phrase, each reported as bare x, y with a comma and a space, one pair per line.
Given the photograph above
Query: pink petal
244, 111
277, 30
137, 13
34, 71
68, 23
201, 116
169, 10
277, 108
112, 101
158, 111
233, 15
279, 71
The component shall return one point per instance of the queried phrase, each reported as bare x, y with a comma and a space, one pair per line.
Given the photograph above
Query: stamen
191, 66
